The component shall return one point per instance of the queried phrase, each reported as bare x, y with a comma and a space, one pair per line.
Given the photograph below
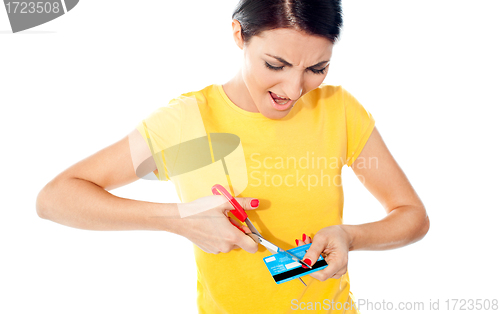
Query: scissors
242, 216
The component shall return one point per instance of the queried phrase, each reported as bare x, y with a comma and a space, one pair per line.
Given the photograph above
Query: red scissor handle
238, 211
241, 229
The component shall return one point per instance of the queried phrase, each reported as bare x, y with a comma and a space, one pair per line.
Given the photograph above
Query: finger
308, 240
240, 226
335, 269
249, 246
338, 263
318, 245
322, 275
329, 272
246, 243
248, 203
340, 273
303, 240
299, 242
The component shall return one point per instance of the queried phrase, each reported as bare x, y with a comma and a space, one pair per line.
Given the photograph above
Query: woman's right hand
211, 229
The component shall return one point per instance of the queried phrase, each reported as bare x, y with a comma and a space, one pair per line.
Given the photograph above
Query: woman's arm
78, 198
406, 221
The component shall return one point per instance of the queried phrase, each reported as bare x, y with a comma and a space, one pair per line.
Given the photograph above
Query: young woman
277, 138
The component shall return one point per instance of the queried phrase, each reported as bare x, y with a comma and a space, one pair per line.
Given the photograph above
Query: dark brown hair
315, 17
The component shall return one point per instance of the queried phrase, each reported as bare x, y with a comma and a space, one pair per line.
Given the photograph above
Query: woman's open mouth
280, 103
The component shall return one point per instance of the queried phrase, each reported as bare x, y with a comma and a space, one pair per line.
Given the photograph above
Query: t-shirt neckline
254, 115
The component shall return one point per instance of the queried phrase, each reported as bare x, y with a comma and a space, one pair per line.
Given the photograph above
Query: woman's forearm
82, 204
402, 226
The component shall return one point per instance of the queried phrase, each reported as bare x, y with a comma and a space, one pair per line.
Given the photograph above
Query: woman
290, 134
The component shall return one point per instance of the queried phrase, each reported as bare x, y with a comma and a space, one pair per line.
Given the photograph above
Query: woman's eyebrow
289, 64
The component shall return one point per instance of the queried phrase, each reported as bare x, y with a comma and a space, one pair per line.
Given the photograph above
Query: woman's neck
237, 91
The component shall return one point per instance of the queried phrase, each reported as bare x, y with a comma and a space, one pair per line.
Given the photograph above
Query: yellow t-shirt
292, 165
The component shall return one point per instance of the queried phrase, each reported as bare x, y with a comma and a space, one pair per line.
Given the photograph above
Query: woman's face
280, 66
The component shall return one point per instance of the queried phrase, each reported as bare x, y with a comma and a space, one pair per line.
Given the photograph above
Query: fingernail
296, 242
304, 237
307, 261
254, 203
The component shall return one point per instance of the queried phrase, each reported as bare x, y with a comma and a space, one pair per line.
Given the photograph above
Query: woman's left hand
333, 243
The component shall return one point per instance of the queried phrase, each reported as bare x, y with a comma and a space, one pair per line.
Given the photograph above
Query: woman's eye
322, 71
273, 68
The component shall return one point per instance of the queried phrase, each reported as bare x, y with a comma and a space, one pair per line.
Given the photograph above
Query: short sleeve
160, 130
359, 126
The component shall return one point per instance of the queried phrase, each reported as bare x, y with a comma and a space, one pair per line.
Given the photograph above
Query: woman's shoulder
325, 92
200, 95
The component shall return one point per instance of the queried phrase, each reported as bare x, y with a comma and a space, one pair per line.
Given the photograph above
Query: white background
427, 70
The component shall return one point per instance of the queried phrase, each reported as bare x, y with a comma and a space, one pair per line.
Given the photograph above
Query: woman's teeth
278, 99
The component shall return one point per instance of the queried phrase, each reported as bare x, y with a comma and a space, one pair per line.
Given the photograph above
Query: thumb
248, 203
312, 254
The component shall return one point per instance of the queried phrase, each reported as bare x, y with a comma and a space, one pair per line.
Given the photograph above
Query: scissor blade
271, 251
295, 258
252, 228
273, 247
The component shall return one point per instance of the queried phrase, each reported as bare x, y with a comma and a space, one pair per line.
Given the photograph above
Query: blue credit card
283, 268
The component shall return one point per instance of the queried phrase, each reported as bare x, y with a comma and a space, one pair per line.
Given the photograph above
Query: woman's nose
293, 86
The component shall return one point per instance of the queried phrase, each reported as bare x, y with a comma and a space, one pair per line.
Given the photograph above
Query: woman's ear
238, 37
